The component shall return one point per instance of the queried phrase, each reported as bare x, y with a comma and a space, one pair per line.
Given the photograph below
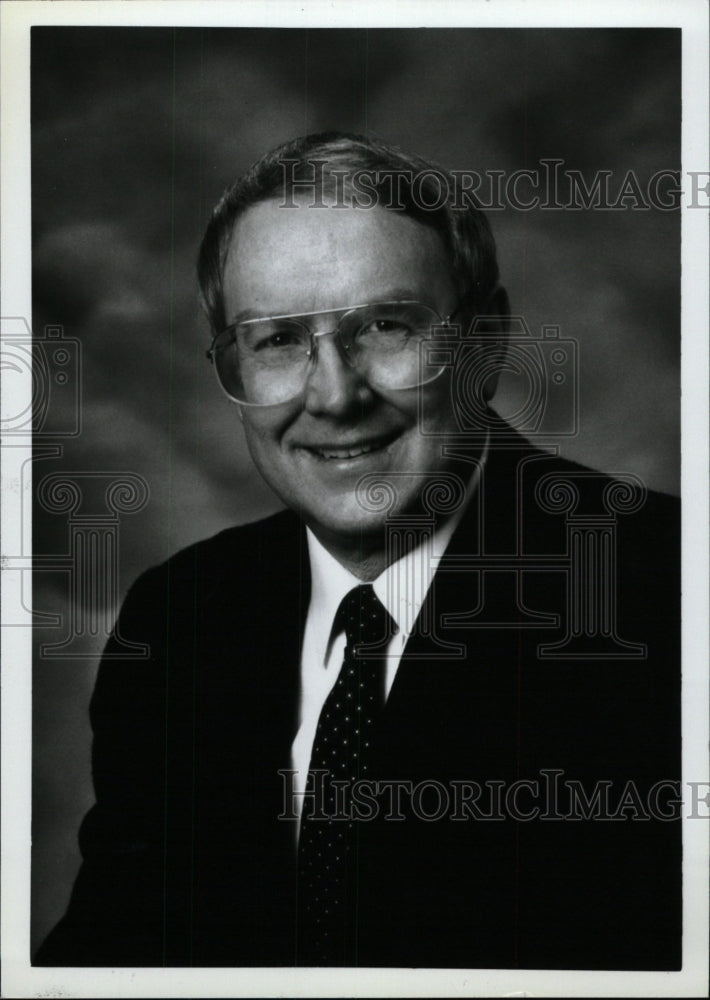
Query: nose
333, 388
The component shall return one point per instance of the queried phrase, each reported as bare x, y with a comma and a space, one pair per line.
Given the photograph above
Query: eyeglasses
267, 361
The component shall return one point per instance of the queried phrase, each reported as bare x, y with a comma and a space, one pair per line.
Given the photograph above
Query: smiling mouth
333, 453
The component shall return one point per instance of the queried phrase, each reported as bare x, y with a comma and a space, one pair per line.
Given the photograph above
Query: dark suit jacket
184, 859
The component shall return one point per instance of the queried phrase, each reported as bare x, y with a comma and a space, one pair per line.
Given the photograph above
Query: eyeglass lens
267, 361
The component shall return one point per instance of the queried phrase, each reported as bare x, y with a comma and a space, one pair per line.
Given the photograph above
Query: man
429, 715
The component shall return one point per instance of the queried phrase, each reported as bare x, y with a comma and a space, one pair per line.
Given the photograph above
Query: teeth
353, 452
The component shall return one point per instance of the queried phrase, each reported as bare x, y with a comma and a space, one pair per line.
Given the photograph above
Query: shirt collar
401, 587
330, 582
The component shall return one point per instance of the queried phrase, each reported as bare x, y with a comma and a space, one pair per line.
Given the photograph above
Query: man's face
313, 450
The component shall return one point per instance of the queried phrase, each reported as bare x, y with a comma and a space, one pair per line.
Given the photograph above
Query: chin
347, 524
355, 519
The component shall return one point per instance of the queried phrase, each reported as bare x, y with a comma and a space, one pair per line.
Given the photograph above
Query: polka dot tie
342, 748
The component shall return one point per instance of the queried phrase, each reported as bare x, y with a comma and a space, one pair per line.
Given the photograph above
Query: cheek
276, 464
436, 407
262, 442
265, 428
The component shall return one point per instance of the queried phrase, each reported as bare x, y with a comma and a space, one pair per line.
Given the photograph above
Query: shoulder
533, 498
203, 592
243, 541
241, 551
559, 486
214, 579
562, 484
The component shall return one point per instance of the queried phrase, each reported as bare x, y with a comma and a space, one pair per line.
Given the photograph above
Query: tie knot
367, 623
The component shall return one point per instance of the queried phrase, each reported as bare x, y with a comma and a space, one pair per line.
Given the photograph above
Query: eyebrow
392, 295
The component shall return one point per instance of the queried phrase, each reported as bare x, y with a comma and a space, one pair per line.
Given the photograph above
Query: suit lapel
268, 630
474, 693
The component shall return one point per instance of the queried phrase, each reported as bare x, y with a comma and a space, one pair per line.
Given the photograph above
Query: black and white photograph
355, 501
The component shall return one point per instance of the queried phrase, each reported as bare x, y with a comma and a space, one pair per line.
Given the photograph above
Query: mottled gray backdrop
135, 133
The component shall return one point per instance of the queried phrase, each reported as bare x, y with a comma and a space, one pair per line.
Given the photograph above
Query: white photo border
19, 977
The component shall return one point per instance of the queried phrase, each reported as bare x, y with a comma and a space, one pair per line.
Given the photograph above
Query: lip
349, 451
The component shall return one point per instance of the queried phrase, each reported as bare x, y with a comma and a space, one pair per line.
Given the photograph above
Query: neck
366, 556
363, 555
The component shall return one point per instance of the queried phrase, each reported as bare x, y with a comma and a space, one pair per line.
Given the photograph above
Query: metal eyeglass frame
312, 355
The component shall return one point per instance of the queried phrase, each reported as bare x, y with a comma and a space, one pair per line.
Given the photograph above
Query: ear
499, 305
497, 329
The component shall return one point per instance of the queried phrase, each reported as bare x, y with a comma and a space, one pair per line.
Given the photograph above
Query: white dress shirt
401, 587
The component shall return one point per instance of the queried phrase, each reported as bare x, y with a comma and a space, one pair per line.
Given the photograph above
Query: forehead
304, 259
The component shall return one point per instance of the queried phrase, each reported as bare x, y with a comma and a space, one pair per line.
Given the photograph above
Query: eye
385, 326
281, 338
275, 339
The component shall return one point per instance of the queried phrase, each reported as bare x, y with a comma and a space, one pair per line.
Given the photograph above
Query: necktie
342, 749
